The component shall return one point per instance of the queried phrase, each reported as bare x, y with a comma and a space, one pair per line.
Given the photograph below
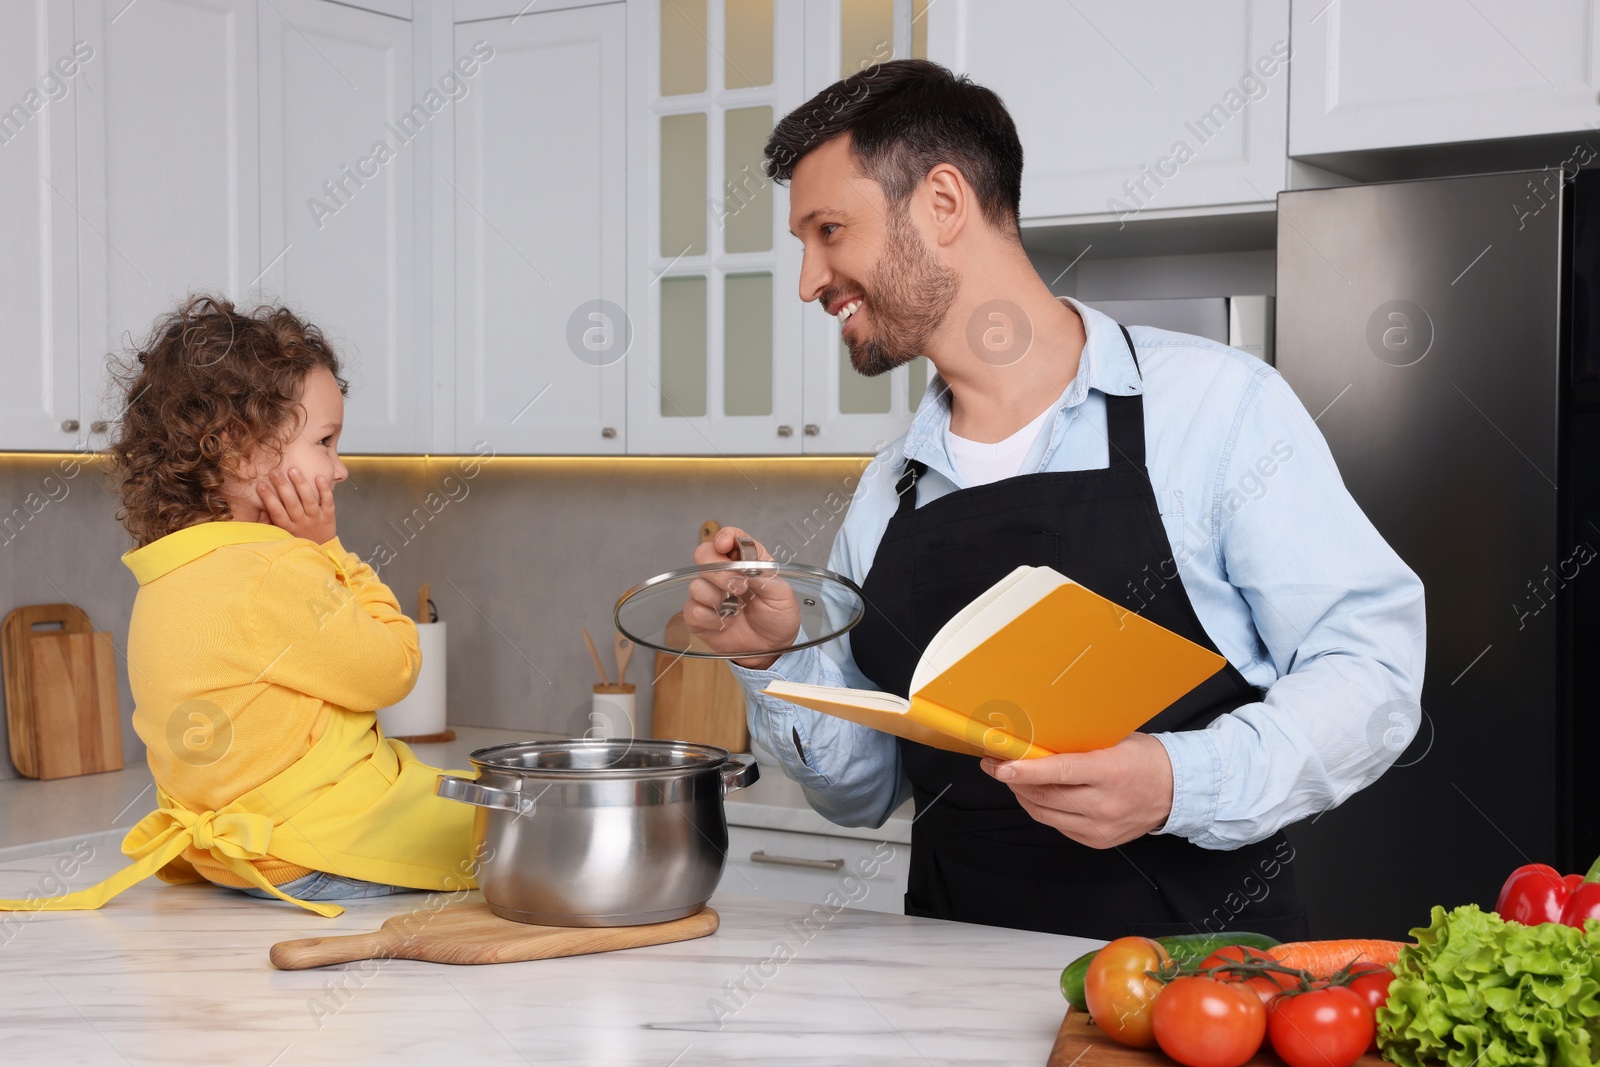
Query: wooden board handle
69, 617
321, 951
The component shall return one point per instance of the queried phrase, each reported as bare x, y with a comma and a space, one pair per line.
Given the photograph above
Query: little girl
260, 648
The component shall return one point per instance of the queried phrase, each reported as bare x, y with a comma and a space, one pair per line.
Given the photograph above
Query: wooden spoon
622, 648
594, 654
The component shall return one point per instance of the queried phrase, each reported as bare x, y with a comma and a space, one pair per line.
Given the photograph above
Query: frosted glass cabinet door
1190, 101
337, 165
716, 363
1370, 74
168, 166
539, 200
38, 188
844, 411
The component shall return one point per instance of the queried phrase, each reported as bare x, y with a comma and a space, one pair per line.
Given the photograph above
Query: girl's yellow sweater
257, 662
239, 654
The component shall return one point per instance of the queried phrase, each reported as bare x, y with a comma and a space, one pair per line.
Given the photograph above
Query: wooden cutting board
697, 699
62, 714
1079, 1035
471, 933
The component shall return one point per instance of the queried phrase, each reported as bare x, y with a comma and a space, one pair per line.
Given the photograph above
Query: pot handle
484, 796
736, 774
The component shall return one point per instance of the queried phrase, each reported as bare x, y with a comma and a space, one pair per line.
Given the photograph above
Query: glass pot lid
761, 608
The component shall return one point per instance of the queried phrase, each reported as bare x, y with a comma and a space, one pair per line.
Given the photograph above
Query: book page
801, 692
877, 711
983, 618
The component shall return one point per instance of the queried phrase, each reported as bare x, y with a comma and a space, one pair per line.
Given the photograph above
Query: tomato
1266, 986
1328, 1027
1205, 1022
1119, 992
1372, 984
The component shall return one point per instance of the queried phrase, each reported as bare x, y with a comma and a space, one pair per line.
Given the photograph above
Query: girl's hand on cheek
293, 503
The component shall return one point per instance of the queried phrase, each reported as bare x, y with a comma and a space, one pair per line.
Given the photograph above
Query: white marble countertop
179, 975
38, 817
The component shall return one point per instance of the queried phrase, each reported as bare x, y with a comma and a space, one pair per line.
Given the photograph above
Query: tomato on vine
1206, 1022
1371, 982
1121, 991
1327, 1027
1266, 986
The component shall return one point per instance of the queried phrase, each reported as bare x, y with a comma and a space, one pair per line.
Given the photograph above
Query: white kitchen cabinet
844, 411
817, 869
339, 126
1124, 109
712, 270
729, 360
1369, 74
39, 405
168, 170
539, 203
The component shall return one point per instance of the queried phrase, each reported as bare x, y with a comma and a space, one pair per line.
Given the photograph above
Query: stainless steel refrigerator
1446, 334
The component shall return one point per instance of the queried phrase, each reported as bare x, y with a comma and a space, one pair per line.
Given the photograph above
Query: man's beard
908, 297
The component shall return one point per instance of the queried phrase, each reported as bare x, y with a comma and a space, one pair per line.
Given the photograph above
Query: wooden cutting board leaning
697, 699
62, 714
1079, 1036
471, 933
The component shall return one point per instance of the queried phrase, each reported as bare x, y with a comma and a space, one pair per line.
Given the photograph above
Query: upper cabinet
168, 170
339, 115
1369, 74
1122, 108
254, 151
42, 68
713, 271
727, 358
844, 410
543, 336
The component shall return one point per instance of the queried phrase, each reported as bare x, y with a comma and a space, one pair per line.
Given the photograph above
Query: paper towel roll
422, 711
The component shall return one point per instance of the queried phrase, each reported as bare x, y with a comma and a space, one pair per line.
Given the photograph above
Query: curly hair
211, 385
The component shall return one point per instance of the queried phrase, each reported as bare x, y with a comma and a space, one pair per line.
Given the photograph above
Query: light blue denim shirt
1286, 574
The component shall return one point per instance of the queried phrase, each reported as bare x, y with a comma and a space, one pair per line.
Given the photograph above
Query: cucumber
1185, 949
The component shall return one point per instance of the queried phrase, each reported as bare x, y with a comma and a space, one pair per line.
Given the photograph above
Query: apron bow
235, 838
239, 836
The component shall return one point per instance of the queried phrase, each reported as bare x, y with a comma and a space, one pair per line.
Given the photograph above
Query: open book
1036, 665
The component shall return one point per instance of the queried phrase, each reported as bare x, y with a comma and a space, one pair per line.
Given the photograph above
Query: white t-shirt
980, 464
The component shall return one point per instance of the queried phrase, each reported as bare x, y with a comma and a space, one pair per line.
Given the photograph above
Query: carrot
1323, 958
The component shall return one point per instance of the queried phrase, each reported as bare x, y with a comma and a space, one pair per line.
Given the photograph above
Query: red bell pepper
1537, 893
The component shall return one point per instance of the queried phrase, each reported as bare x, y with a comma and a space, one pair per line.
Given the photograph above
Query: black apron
976, 855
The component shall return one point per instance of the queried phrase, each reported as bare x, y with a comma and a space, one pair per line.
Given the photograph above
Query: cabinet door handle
759, 856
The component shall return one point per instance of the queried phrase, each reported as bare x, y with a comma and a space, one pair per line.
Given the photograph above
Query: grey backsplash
520, 554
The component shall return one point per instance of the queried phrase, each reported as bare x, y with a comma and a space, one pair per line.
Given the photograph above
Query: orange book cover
1035, 666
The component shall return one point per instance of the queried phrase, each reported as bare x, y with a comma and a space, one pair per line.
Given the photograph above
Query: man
1169, 473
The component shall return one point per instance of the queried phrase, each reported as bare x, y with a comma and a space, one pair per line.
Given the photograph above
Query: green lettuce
1477, 991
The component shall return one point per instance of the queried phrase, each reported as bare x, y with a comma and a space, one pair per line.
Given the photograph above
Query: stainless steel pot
601, 832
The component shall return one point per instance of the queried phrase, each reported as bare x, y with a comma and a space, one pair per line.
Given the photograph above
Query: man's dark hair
904, 118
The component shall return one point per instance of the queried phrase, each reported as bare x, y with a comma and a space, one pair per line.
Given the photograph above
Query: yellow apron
357, 805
